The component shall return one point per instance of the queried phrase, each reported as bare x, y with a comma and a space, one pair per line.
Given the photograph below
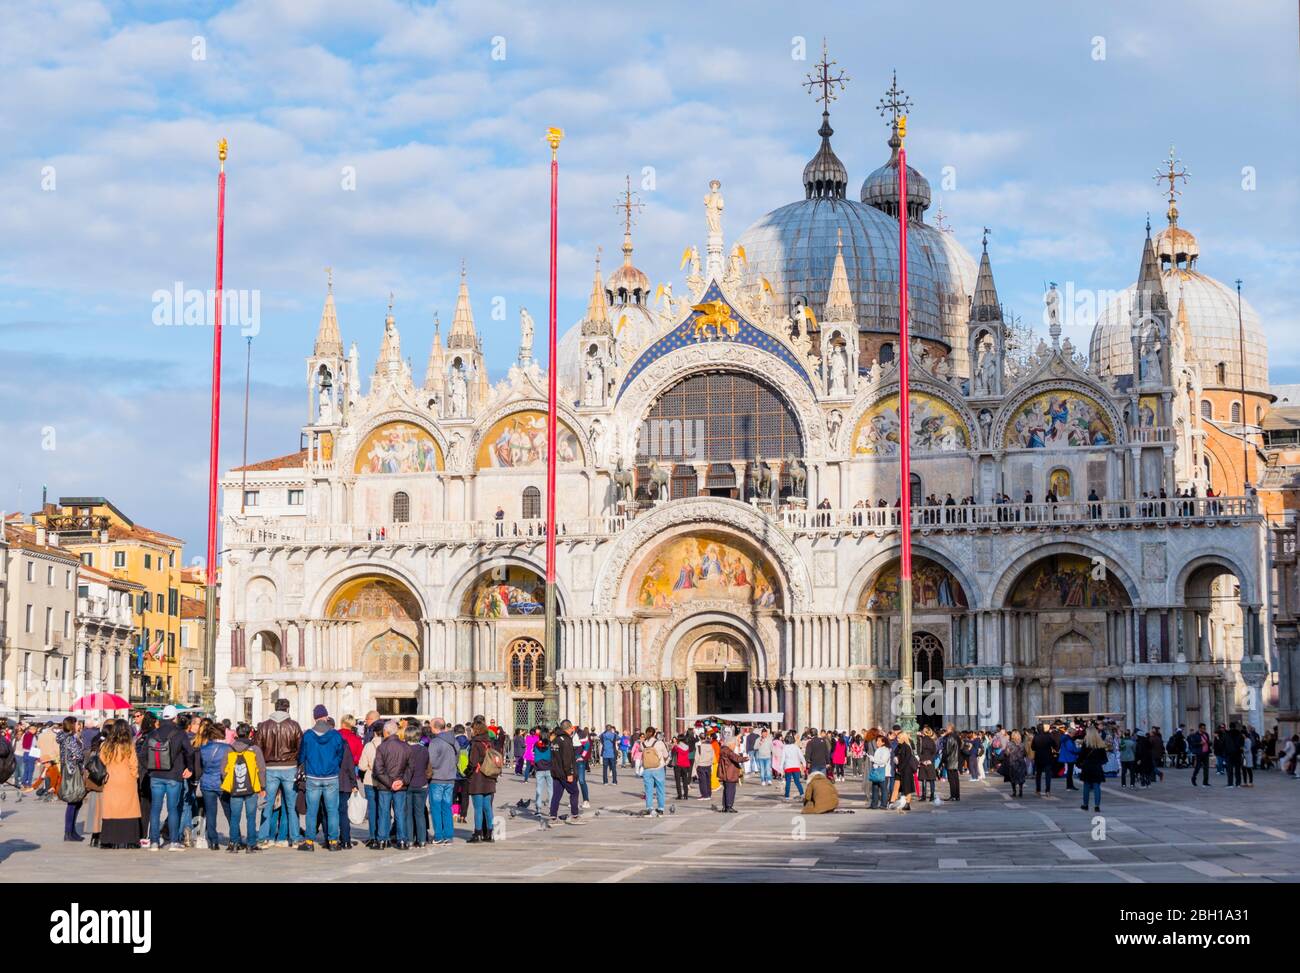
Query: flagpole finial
223, 148
554, 136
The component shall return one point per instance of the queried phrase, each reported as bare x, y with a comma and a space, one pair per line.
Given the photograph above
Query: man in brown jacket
392, 766
279, 739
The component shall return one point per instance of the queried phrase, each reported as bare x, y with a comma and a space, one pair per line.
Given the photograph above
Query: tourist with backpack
169, 761
654, 760
484, 767
242, 781
212, 766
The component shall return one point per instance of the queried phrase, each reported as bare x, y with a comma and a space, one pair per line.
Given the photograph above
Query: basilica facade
727, 528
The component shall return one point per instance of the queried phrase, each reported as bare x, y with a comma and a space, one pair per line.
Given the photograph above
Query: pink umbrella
101, 701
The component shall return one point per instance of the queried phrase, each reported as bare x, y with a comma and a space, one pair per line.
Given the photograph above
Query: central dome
794, 248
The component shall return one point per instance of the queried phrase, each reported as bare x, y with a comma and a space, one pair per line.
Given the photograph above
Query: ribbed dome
1211, 315
1177, 246
625, 282
880, 189
794, 248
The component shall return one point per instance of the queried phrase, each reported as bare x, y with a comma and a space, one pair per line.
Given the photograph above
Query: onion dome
880, 189
824, 177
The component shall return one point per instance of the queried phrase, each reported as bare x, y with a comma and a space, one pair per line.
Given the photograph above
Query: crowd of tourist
166, 782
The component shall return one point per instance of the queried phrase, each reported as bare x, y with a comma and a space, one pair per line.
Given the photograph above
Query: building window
67, 580
142, 604
185, 637
148, 561
171, 559
914, 488
886, 353
173, 602
1223, 373
119, 559
27, 619
295, 498
49, 624
250, 498
67, 624
401, 507
31, 571
1259, 414
49, 575
1207, 409
531, 506
158, 602
171, 645
1235, 412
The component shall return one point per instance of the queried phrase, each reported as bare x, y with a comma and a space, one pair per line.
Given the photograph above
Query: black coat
927, 750
1092, 765
1044, 748
564, 763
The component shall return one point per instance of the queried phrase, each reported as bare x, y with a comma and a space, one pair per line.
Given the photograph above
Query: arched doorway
379, 633
526, 672
267, 651
927, 677
719, 666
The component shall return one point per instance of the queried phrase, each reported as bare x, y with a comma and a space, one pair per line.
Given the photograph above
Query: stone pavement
1171, 832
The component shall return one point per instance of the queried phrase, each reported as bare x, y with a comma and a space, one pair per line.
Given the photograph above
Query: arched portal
526, 672
376, 628
927, 676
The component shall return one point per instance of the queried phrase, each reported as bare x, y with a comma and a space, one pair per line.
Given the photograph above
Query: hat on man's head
320, 712
169, 712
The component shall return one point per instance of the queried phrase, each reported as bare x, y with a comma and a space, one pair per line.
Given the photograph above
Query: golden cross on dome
630, 201
822, 78
895, 104
1170, 173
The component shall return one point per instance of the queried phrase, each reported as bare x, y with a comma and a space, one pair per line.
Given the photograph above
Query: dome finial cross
822, 78
896, 103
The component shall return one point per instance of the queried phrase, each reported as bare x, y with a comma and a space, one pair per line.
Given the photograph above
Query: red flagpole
905, 668
551, 699
214, 443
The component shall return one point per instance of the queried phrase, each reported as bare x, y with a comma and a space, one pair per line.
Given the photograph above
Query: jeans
242, 807
417, 799
170, 791
877, 793
29, 769
792, 776
528, 769
281, 779
653, 781
482, 812
682, 778
705, 777
1202, 765
345, 823
189, 807
542, 791
1092, 788
1040, 774
764, 769
728, 794
392, 804
323, 789
440, 809
608, 766
582, 780
210, 801
372, 815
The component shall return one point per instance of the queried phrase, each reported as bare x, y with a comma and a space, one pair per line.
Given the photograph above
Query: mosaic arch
518, 441
398, 447
936, 427
1059, 419
934, 588
704, 566
1067, 581
386, 621
508, 591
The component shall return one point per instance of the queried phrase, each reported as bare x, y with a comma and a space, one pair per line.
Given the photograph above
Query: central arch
716, 658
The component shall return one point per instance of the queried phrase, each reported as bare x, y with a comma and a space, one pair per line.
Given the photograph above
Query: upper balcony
969, 518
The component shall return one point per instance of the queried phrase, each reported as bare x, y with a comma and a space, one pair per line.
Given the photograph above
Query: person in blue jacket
212, 766
1068, 756
321, 756
609, 754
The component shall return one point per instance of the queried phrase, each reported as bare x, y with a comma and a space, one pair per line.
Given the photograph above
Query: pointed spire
597, 320
1150, 285
839, 299
328, 342
985, 305
435, 373
463, 337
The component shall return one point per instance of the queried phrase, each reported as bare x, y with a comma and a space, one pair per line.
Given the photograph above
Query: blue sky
1050, 146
